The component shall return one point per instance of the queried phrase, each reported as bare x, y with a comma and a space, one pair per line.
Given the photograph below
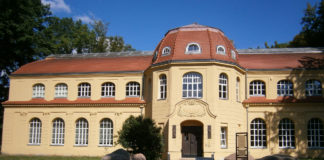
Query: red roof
208, 39
86, 65
315, 99
36, 101
282, 61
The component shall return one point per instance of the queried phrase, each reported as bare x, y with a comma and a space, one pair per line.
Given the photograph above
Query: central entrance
192, 138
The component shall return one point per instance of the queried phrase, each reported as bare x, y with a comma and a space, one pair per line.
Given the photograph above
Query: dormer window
233, 54
166, 51
220, 49
193, 48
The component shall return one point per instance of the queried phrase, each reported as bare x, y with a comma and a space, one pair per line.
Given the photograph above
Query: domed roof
195, 42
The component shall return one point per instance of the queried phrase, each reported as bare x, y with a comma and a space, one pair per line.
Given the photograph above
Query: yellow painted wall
217, 112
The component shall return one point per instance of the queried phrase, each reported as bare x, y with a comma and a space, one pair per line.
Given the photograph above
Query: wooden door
191, 141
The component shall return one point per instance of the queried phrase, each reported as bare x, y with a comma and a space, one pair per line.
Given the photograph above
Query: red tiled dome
207, 38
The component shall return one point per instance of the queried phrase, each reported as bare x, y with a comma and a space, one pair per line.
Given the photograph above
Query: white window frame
258, 132
163, 87
313, 88
315, 136
58, 132
84, 90
108, 89
35, 131
106, 132
285, 88
81, 132
193, 51
133, 89
233, 54
192, 85
166, 51
223, 137
257, 88
220, 52
39, 90
61, 90
237, 90
223, 86
286, 133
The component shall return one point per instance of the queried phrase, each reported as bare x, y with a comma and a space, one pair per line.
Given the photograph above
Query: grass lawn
2, 157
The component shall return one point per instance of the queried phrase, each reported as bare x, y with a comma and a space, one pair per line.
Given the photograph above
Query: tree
312, 34
117, 44
100, 29
64, 36
142, 136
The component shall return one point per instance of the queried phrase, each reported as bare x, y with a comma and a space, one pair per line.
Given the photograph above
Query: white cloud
84, 19
57, 5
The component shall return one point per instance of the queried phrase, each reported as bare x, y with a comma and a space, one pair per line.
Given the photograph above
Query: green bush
141, 135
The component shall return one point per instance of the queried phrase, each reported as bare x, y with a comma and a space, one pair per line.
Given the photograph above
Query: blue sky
143, 23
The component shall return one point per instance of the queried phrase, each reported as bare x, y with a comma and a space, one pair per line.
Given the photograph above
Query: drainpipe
247, 109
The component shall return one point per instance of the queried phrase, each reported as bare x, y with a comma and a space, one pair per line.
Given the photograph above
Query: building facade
195, 85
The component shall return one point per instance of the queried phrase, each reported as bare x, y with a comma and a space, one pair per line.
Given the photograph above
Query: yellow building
196, 86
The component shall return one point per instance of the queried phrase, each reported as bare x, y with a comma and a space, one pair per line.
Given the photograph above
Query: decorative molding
192, 108
46, 114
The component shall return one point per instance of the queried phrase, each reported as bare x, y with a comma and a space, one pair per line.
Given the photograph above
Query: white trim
286, 133
233, 54
133, 89
166, 51
58, 130
163, 86
35, 131
257, 88
106, 132
38, 90
84, 90
313, 87
223, 138
81, 132
61, 90
315, 137
285, 88
258, 133
223, 86
192, 85
220, 52
193, 51
108, 89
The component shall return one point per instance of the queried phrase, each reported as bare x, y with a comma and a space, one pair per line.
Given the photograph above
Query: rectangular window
223, 137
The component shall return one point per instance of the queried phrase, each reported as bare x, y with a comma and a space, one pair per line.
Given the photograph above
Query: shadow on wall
294, 109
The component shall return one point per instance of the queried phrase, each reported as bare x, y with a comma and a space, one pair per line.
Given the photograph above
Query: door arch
192, 138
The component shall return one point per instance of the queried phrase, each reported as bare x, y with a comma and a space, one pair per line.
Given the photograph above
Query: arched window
106, 132
257, 88
193, 48
237, 90
166, 51
38, 91
132, 89
35, 131
285, 88
81, 132
233, 54
313, 88
84, 90
108, 89
58, 132
315, 133
258, 132
61, 90
163, 86
286, 133
220, 49
192, 85
223, 89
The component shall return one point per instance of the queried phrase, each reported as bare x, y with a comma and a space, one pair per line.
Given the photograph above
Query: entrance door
191, 141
